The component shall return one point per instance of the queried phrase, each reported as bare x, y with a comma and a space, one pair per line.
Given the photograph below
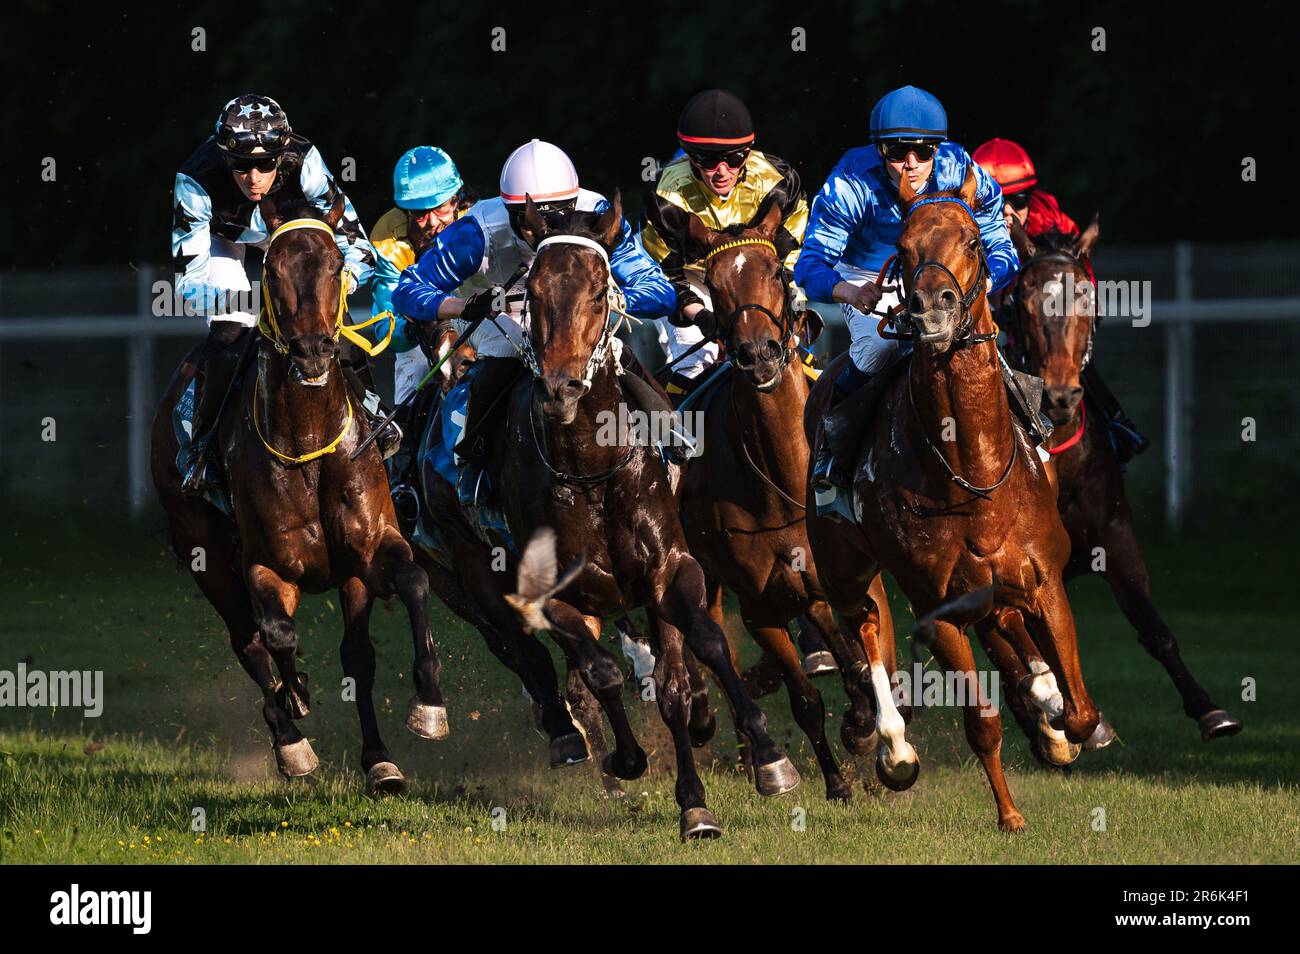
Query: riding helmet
715, 121
1009, 164
425, 178
252, 125
908, 113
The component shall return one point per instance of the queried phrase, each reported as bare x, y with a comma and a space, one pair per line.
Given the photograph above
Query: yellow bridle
727, 246
270, 327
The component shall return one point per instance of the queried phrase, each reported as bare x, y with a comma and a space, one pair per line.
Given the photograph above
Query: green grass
181, 730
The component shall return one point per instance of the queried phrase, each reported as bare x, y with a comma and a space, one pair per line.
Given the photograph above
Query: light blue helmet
908, 113
425, 178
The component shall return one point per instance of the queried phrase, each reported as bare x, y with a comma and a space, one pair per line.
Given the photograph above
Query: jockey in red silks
1039, 214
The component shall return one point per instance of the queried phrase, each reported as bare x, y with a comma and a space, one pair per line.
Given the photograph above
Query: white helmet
540, 170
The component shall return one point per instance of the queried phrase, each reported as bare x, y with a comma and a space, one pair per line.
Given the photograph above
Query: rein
268, 324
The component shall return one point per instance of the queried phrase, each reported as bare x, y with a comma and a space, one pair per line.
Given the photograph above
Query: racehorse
1053, 338
612, 501
950, 516
306, 518
742, 497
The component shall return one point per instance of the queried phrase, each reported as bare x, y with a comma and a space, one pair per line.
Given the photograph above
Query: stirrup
473, 486
195, 481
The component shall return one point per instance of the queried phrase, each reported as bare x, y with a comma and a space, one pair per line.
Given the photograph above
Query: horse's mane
297, 208
1049, 243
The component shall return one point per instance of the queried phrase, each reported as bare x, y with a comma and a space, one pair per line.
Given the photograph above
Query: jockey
253, 153
719, 178
429, 195
854, 227
483, 249
1039, 214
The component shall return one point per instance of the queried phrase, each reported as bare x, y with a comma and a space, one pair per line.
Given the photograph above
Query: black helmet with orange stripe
715, 122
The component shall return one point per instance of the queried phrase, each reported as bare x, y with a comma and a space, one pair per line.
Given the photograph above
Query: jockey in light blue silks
484, 249
854, 227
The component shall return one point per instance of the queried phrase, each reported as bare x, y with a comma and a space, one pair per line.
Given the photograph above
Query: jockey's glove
707, 322
479, 306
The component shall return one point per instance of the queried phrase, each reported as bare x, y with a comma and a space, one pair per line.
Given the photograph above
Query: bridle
901, 315
1021, 349
784, 322
617, 306
269, 326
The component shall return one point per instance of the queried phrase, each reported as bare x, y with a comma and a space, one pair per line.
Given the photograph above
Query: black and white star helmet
252, 125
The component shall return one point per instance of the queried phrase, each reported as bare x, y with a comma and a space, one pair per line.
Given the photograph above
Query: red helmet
1009, 164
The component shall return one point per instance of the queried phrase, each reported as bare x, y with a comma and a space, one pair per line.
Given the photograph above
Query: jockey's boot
217, 363
356, 370
1128, 440
841, 427
490, 381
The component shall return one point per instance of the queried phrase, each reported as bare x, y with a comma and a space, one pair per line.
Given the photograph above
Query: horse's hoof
428, 722
700, 735
1015, 822
568, 749
699, 823
820, 663
858, 744
611, 765
385, 778
898, 784
1102, 736
296, 759
611, 786
776, 778
1057, 750
840, 791
1217, 724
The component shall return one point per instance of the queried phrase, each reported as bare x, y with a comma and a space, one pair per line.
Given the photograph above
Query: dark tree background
1152, 131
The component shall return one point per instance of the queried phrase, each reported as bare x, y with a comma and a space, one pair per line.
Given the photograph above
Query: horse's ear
270, 214
532, 228
609, 227
769, 223
970, 187
1085, 243
1025, 246
335, 215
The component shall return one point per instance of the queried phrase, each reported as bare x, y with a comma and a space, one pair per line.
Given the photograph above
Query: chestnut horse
612, 500
307, 518
948, 517
1056, 344
742, 497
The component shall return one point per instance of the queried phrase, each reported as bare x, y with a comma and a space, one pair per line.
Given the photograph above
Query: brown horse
307, 519
1056, 344
742, 496
950, 516
612, 500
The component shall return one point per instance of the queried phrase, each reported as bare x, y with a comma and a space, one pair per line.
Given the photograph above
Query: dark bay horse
1056, 344
742, 498
612, 501
949, 517
307, 519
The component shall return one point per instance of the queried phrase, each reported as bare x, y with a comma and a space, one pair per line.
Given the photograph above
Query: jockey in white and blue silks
483, 249
855, 223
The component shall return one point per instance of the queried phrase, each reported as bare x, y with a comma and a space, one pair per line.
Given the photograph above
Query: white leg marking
895, 750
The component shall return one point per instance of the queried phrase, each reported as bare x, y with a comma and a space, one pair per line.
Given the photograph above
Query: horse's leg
858, 729
1040, 689
805, 701
703, 723
604, 678
357, 653
884, 617
1014, 673
591, 723
897, 764
983, 721
1053, 630
274, 602
1126, 572
682, 604
674, 697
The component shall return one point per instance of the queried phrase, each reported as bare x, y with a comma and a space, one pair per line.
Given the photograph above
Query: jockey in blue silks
483, 249
854, 227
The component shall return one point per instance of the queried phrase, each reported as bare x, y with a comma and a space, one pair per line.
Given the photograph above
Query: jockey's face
423, 224
720, 172
1016, 208
253, 181
917, 170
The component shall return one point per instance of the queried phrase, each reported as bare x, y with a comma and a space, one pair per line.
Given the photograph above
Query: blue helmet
425, 178
908, 113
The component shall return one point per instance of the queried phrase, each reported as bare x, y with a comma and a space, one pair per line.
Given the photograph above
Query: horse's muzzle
762, 363
310, 356
1061, 403
558, 396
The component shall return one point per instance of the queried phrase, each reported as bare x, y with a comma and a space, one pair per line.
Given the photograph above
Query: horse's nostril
771, 349
948, 299
919, 302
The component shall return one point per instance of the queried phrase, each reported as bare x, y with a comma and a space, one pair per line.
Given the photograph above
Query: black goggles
1019, 201
896, 150
249, 163
711, 160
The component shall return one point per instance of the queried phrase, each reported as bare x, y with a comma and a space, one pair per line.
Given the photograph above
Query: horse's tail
959, 610
537, 580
